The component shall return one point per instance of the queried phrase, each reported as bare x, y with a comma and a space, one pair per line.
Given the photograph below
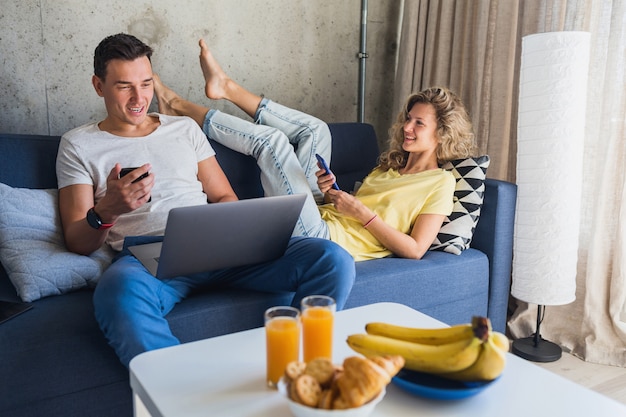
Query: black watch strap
95, 221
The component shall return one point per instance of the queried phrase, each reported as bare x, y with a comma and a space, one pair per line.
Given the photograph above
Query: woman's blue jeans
131, 304
284, 142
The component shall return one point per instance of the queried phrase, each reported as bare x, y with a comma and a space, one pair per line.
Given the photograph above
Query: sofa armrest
494, 237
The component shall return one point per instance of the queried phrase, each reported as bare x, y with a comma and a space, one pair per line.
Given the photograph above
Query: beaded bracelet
370, 220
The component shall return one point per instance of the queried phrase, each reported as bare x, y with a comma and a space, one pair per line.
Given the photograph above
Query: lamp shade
550, 136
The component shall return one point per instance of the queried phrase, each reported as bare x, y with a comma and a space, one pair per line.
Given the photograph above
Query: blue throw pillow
32, 249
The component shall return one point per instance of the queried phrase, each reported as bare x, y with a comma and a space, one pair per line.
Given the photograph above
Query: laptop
222, 235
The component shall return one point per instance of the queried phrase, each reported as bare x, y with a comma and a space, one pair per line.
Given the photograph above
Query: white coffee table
225, 376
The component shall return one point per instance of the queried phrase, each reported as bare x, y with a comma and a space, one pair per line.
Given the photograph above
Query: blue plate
435, 387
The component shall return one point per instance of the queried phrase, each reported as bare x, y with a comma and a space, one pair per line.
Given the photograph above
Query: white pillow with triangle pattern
458, 228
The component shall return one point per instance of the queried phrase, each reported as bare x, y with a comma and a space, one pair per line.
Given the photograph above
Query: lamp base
540, 350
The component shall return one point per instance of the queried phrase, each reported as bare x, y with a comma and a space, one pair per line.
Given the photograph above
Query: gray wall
302, 53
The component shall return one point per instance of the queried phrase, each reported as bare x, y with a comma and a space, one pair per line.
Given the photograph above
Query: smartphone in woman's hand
325, 166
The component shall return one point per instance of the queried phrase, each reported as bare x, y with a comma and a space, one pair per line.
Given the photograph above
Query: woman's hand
413, 245
325, 181
349, 205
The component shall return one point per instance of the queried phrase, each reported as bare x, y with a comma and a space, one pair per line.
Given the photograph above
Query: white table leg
139, 408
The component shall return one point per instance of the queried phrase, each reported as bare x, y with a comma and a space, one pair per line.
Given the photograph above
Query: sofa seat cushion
57, 350
446, 286
212, 313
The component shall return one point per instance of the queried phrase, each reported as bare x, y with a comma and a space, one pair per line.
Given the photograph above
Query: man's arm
215, 184
122, 196
74, 202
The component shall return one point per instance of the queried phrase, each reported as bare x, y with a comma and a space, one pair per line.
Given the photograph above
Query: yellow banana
448, 357
489, 365
436, 336
501, 341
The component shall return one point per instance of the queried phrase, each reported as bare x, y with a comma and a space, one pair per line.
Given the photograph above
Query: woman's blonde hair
454, 129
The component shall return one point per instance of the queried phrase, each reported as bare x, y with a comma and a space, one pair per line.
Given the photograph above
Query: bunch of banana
466, 352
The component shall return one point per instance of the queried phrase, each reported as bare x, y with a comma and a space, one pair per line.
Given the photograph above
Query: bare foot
220, 86
217, 82
166, 97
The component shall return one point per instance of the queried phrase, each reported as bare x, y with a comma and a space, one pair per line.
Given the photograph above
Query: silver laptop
222, 235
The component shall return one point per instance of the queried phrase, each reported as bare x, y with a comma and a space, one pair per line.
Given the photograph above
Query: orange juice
317, 333
282, 345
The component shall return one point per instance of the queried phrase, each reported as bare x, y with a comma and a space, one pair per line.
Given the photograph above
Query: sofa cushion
55, 355
458, 228
447, 287
32, 249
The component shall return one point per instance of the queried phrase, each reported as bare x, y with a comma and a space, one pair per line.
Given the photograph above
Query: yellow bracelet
370, 220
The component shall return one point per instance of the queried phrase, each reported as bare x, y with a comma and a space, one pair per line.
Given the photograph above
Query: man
176, 167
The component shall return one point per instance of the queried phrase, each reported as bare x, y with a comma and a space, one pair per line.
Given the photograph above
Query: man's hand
127, 193
122, 196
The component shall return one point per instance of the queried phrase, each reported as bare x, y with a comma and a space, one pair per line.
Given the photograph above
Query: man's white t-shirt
87, 155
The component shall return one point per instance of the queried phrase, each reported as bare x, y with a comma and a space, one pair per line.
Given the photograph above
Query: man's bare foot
166, 97
217, 82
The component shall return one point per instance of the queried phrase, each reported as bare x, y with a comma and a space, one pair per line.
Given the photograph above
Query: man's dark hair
121, 46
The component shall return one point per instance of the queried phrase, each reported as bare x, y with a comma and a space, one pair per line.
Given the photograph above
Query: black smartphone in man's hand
126, 171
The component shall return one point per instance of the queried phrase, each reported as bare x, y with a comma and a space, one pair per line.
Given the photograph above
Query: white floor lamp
550, 136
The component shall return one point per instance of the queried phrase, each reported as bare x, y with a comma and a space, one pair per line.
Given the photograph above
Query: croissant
321, 384
390, 363
363, 379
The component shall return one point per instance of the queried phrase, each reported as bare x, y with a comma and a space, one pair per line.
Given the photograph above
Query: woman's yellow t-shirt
398, 200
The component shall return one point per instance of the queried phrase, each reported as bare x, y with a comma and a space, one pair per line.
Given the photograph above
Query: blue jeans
284, 143
131, 304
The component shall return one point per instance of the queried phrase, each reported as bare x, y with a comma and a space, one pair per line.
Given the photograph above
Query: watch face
93, 219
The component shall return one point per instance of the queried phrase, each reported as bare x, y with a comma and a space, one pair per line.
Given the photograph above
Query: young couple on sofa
398, 210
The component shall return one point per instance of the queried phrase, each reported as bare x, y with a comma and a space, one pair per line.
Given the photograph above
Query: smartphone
10, 309
125, 171
325, 166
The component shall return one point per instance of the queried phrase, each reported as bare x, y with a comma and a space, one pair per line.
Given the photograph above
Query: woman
401, 204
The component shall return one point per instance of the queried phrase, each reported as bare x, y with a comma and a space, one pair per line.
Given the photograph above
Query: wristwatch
95, 221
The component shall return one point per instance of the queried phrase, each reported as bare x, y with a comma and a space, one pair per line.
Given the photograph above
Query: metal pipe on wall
362, 57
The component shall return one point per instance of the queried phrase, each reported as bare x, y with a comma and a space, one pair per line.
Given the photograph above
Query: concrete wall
302, 53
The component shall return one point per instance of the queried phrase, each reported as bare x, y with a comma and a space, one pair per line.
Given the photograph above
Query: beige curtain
474, 48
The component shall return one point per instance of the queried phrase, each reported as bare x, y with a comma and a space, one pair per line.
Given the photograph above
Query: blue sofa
54, 361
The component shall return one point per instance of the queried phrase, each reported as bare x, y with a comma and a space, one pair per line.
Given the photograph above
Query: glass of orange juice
282, 336
318, 313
